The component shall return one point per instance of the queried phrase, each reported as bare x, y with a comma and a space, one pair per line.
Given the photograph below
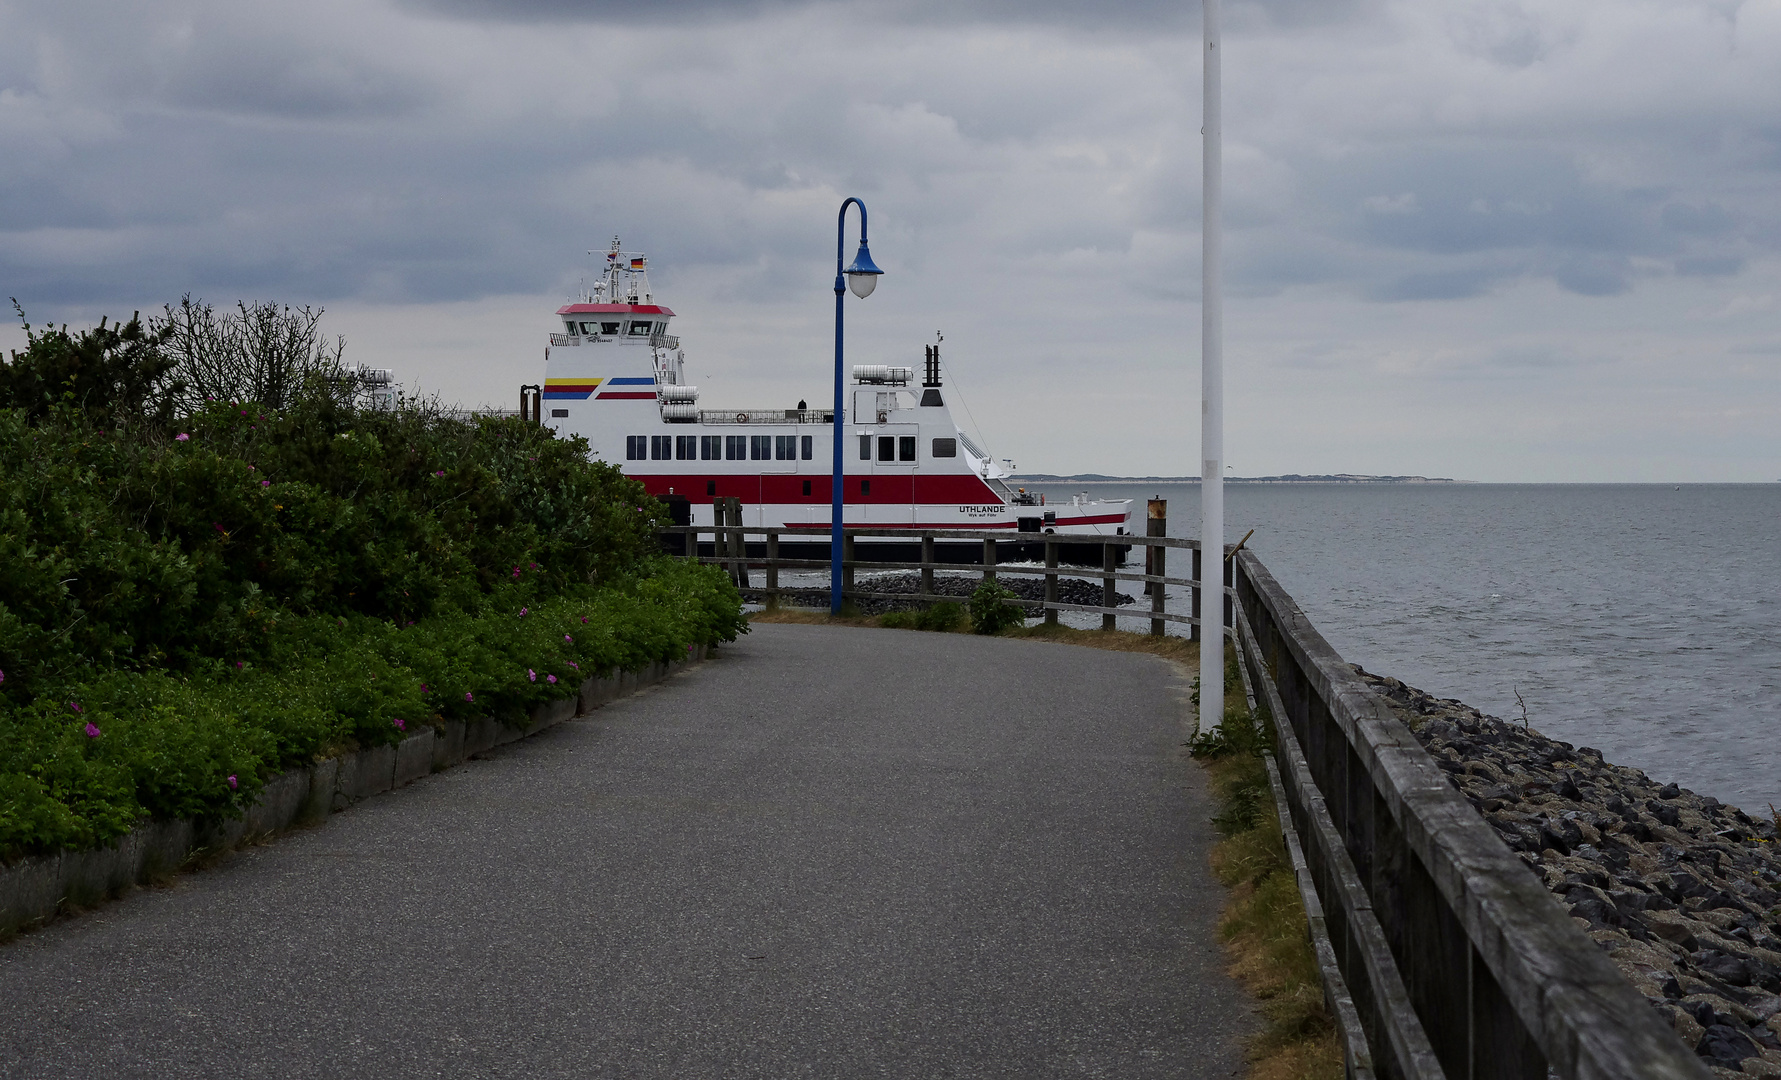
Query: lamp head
862, 276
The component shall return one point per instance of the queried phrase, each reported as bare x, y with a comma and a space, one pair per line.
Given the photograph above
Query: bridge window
711, 447
735, 447
865, 448
590, 327
686, 447
661, 447
760, 447
608, 328
808, 447
636, 447
905, 448
785, 447
946, 448
641, 329
887, 448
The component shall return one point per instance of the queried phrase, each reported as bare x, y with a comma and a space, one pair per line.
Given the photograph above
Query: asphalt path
826, 853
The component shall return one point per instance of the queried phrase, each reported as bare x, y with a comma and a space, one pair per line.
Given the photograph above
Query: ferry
615, 375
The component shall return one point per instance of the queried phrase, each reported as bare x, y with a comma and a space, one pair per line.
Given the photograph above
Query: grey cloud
1710, 265
1126, 15
1453, 284
1707, 219
1594, 275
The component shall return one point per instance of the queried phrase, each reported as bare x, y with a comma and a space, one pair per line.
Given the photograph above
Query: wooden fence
1443, 958
1442, 955
743, 549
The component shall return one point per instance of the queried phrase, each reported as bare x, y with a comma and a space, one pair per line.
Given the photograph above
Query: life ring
742, 418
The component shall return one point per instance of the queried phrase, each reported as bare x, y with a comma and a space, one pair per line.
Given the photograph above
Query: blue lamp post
862, 278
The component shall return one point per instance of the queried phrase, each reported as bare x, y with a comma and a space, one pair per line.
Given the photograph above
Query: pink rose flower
182, 437
92, 730
552, 679
233, 784
400, 726
531, 676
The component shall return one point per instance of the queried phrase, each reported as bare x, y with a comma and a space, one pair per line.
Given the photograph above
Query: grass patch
1263, 925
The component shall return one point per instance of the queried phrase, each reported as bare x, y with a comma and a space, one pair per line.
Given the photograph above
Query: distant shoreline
1286, 478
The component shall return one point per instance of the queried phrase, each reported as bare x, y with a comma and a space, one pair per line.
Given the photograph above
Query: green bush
943, 617
189, 605
82, 767
991, 612
897, 620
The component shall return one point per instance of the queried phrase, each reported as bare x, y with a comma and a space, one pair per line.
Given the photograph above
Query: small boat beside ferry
616, 376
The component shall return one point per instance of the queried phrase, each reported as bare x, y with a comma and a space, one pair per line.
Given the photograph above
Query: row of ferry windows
902, 447
719, 447
634, 329
768, 447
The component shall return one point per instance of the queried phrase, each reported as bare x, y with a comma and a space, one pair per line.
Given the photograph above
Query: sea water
1643, 620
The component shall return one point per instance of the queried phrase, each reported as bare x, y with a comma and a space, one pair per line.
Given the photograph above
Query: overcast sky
1487, 240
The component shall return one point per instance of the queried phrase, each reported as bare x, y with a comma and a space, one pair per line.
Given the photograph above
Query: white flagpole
1212, 393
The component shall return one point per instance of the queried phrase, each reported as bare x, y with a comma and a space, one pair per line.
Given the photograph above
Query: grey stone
448, 745
481, 735
552, 713
414, 758
363, 774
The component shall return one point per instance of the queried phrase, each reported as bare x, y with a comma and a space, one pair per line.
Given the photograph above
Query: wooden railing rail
730, 544
1443, 955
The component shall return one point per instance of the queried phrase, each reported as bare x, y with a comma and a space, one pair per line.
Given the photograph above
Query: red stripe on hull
626, 395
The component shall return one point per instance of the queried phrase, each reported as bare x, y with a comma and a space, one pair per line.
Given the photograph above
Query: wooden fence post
1108, 594
989, 560
773, 569
738, 549
846, 565
927, 564
1194, 628
1050, 581
1157, 524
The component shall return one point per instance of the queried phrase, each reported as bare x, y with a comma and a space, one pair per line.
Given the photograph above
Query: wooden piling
1050, 581
1109, 556
1156, 523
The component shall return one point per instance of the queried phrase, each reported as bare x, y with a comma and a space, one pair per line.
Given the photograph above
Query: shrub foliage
190, 603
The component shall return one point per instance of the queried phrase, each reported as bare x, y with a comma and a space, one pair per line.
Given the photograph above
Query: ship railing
1441, 955
665, 341
766, 416
578, 339
743, 549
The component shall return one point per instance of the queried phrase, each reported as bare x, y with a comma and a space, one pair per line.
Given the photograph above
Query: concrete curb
36, 889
